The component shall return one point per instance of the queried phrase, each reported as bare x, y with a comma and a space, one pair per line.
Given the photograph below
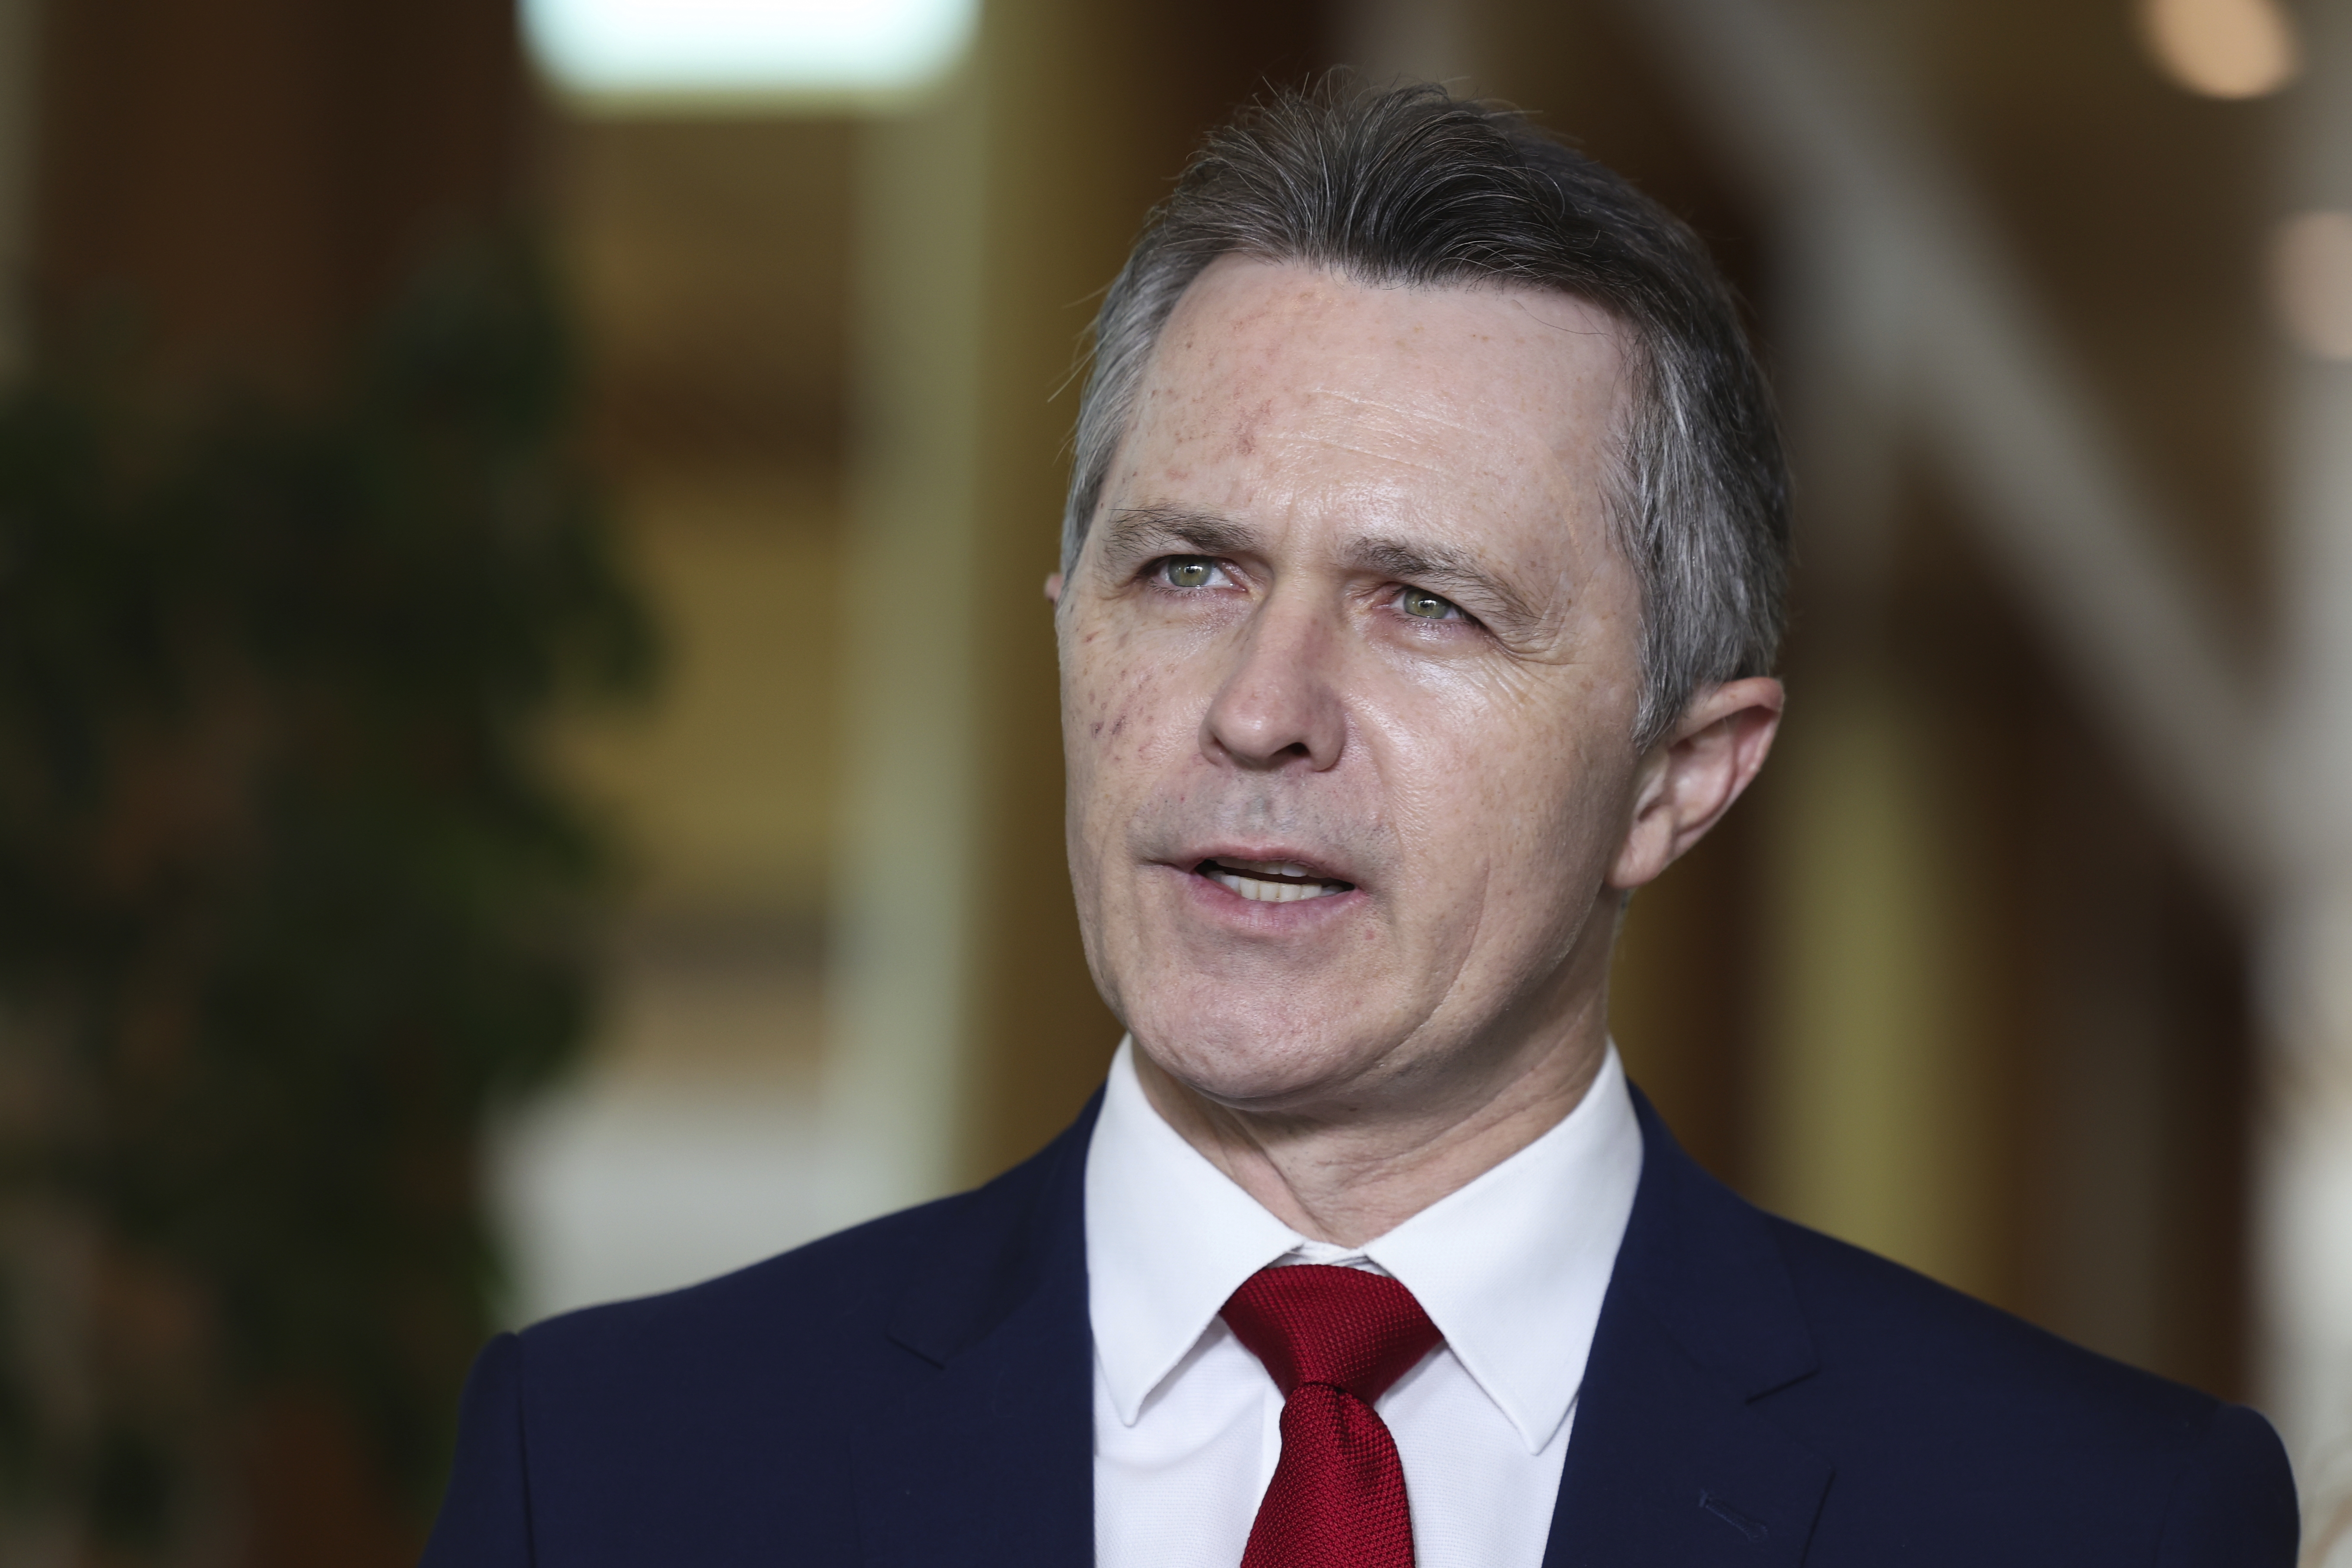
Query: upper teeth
1237, 877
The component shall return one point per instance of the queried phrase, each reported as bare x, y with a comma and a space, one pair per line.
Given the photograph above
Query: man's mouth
1270, 881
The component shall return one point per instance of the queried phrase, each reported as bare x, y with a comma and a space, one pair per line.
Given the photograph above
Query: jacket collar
986, 1456
1671, 1461
1021, 1232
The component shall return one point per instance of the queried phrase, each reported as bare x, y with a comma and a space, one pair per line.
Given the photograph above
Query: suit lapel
1669, 1461
985, 1454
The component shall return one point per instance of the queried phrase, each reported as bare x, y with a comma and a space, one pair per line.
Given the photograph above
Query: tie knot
1315, 1323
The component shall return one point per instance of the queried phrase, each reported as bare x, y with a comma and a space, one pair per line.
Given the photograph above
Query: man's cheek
1146, 710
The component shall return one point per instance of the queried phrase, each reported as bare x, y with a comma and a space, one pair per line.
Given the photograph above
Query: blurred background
528, 755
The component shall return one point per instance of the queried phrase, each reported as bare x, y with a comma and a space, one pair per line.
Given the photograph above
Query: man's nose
1281, 702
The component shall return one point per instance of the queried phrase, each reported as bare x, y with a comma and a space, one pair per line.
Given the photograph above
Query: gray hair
1409, 187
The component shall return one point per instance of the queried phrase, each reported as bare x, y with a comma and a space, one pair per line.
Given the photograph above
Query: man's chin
1244, 1064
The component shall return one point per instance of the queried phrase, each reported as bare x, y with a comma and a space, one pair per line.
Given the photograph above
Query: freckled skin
1350, 1059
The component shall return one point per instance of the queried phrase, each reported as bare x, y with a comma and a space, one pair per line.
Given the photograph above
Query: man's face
1349, 668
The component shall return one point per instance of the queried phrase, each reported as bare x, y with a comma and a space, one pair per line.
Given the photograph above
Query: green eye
1424, 607
1189, 571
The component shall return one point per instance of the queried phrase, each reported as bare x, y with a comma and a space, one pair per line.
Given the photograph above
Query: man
1421, 582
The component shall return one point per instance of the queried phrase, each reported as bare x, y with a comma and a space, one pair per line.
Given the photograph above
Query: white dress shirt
1511, 1268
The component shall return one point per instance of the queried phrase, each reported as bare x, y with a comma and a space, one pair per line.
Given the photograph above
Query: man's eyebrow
1145, 530
1447, 569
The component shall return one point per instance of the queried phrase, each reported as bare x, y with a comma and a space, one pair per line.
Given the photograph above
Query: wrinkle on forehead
1423, 415
1332, 443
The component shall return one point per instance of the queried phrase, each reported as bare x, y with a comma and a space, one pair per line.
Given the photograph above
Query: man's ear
1690, 779
1054, 590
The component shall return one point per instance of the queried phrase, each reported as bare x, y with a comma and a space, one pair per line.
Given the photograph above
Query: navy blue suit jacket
917, 1392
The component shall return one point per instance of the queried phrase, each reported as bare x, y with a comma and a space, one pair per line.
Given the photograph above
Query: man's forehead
1243, 311
1420, 398
1391, 375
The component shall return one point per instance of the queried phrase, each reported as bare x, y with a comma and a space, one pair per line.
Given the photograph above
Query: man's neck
1350, 1178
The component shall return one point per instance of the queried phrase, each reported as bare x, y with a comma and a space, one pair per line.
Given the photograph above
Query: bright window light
686, 50
2221, 48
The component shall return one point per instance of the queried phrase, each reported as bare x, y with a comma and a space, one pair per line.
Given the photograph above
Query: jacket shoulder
1949, 1432
1879, 1325
1924, 1393
811, 1294
1869, 1310
715, 1423
965, 1256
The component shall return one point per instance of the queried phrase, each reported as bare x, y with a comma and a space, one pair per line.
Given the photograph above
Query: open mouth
1270, 881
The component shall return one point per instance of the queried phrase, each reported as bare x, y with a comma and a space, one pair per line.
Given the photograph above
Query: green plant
287, 895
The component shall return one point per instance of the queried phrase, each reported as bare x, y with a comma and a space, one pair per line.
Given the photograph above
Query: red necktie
1333, 1339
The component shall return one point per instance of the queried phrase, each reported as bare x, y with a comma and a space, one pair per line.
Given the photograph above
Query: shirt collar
1170, 1238
1511, 1268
